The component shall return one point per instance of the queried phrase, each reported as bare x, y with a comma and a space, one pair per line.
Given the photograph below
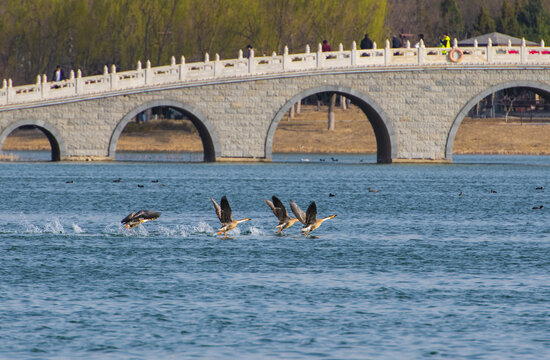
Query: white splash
77, 229
113, 228
54, 227
183, 230
178, 230
203, 227
255, 231
29, 228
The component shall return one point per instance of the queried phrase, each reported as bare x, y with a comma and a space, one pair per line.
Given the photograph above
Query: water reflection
160, 156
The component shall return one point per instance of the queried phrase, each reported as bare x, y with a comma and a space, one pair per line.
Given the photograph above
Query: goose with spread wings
137, 218
280, 212
225, 216
309, 218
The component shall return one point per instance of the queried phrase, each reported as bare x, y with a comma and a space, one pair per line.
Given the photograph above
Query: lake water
413, 271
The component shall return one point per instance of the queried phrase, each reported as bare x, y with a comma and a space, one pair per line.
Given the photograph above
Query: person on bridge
58, 74
420, 39
326, 47
366, 43
445, 42
395, 42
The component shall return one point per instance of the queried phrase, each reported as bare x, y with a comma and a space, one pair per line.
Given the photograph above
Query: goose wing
128, 218
226, 216
218, 209
147, 215
277, 211
311, 213
300, 215
279, 204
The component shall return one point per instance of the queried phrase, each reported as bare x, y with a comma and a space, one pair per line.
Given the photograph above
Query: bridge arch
535, 86
55, 139
385, 137
210, 143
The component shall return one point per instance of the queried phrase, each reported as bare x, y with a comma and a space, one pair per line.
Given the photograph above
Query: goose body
280, 212
226, 218
137, 218
309, 218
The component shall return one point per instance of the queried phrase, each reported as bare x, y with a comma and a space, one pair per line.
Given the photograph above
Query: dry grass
308, 133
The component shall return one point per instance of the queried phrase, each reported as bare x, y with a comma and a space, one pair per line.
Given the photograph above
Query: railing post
286, 58
113, 77
9, 91
39, 84
4, 98
353, 53
182, 68
523, 51
490, 51
79, 84
387, 53
106, 80
45, 87
148, 73
320, 57
218, 69
251, 62
141, 74
421, 52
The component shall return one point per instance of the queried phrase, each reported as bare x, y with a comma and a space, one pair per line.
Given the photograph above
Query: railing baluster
113, 81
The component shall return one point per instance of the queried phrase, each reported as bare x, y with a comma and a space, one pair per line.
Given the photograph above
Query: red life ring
460, 55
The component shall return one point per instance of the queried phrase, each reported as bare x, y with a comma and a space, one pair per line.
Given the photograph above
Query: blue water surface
412, 271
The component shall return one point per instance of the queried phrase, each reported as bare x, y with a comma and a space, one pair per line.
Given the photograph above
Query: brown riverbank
307, 133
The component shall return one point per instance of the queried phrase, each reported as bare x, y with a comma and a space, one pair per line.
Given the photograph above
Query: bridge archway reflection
385, 139
32, 136
516, 104
210, 144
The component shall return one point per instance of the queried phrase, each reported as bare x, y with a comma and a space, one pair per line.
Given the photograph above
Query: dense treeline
529, 19
88, 34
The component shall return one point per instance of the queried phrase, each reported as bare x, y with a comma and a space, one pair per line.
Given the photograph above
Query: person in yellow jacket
445, 43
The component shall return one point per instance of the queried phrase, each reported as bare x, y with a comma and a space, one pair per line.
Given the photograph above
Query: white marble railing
276, 64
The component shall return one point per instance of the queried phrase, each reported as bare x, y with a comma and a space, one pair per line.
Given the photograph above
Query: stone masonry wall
422, 106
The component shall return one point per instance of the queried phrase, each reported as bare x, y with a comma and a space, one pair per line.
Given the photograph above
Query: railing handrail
217, 69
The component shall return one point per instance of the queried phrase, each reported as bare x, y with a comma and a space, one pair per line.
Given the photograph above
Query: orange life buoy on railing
460, 55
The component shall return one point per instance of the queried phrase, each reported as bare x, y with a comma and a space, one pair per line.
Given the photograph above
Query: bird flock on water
223, 210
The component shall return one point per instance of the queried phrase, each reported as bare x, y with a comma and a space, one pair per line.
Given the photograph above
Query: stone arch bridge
414, 98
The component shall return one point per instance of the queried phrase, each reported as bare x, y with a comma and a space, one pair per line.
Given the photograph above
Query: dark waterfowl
372, 190
538, 207
280, 212
225, 216
309, 218
135, 219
